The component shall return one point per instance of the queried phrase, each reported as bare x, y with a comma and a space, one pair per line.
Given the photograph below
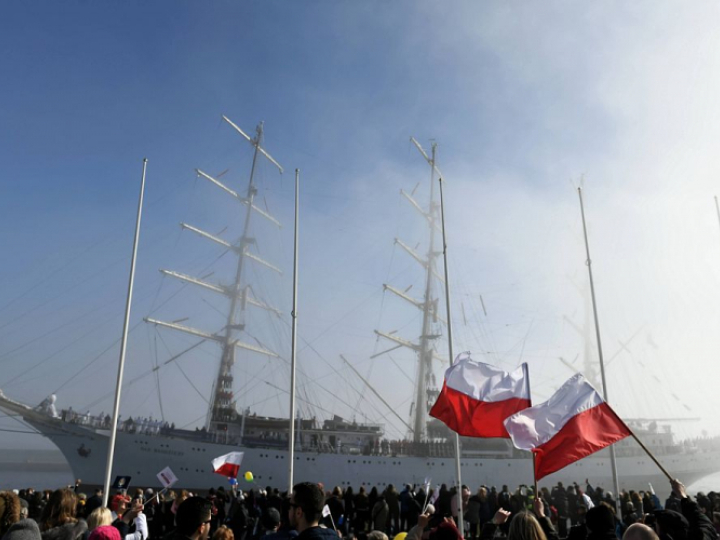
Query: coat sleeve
701, 528
548, 528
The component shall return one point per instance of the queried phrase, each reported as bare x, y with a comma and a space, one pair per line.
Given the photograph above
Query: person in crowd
306, 504
9, 510
93, 502
98, 518
362, 510
336, 507
377, 535
223, 533
11, 528
284, 531
105, 532
239, 518
639, 531
689, 524
472, 515
524, 525
349, 501
405, 497
270, 523
192, 520
559, 499
379, 514
392, 498
59, 521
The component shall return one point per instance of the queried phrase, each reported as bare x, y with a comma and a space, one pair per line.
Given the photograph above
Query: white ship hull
143, 456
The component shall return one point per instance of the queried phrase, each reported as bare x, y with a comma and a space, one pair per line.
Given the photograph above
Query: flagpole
526, 371
452, 357
123, 343
291, 434
613, 460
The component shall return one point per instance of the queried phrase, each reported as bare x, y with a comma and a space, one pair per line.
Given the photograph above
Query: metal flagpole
452, 358
526, 371
291, 435
613, 461
123, 343
717, 208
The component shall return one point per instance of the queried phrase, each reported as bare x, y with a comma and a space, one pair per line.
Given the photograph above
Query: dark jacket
317, 533
701, 528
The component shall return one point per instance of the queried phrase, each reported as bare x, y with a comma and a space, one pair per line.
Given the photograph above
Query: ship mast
429, 306
221, 408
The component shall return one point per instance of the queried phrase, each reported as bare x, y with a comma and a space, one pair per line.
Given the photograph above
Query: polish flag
228, 465
476, 398
574, 423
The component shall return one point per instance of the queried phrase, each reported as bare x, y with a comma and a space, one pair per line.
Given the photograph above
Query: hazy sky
523, 99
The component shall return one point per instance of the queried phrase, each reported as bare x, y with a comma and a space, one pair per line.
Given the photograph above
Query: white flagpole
291, 434
452, 357
123, 343
613, 461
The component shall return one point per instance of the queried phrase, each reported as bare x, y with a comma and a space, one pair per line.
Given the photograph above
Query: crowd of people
310, 513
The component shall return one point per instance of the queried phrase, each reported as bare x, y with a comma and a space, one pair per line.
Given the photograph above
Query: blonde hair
99, 517
524, 526
223, 533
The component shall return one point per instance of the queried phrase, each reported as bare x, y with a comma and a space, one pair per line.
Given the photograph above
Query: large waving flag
228, 464
476, 398
574, 423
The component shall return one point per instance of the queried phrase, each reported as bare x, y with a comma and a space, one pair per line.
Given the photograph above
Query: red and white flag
228, 465
476, 398
574, 423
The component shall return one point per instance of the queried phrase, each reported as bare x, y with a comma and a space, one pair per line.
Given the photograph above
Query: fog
526, 104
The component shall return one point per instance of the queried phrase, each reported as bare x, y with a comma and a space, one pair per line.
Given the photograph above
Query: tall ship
335, 451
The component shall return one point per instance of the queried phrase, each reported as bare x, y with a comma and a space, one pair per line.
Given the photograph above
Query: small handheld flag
228, 464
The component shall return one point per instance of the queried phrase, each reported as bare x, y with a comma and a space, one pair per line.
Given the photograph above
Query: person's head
600, 518
306, 504
105, 532
377, 535
223, 533
639, 531
99, 517
193, 518
119, 504
446, 531
24, 509
337, 492
59, 510
671, 523
9, 510
524, 526
271, 519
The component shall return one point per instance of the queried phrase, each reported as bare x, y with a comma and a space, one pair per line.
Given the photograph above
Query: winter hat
271, 518
106, 532
673, 523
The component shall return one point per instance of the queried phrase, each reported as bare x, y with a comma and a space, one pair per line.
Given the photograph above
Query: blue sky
523, 99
